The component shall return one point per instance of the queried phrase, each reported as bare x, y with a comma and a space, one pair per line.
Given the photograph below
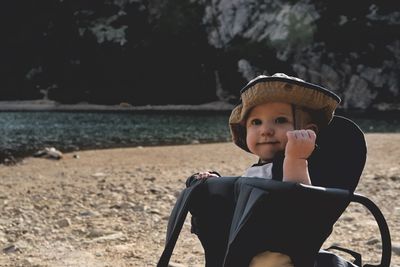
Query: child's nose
267, 130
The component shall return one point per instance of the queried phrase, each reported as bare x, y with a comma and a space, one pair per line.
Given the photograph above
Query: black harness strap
176, 221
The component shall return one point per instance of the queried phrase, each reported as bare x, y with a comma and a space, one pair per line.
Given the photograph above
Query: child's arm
299, 147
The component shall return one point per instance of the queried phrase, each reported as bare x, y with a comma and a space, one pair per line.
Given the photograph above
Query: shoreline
10, 159
383, 112
50, 105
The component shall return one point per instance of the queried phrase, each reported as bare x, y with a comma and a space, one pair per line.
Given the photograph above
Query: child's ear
312, 126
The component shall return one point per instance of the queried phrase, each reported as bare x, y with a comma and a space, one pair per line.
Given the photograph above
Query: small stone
347, 218
396, 248
125, 205
155, 211
63, 223
94, 233
87, 213
28, 262
10, 248
151, 179
373, 241
49, 152
98, 174
175, 264
110, 237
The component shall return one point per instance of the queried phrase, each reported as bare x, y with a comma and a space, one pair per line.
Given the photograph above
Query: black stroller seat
236, 218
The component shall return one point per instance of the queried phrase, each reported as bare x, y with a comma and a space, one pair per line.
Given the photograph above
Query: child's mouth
269, 143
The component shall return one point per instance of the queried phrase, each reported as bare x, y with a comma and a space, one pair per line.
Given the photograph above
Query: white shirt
263, 171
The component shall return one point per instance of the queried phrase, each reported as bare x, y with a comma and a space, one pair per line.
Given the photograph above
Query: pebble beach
111, 207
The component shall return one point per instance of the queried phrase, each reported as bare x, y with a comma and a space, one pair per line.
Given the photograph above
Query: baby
279, 117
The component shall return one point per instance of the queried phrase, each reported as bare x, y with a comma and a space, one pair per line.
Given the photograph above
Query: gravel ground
111, 207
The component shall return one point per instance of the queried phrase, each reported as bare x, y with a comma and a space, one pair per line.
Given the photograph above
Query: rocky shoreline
50, 105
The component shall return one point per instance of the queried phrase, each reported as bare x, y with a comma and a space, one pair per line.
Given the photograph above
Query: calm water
22, 133
25, 132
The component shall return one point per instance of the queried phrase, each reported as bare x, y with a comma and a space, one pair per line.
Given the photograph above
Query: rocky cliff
191, 52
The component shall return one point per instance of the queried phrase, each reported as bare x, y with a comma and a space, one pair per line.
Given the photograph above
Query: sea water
23, 133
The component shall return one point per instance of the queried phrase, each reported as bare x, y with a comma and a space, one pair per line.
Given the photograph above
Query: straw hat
280, 88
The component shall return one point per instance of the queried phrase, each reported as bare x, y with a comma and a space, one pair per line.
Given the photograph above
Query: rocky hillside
191, 52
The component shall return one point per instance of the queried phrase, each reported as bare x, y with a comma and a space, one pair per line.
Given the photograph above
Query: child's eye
256, 122
281, 120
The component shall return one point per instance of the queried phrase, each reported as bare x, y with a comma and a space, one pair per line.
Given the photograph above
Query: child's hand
301, 144
205, 175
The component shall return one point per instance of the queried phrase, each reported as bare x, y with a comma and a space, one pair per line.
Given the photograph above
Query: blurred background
196, 51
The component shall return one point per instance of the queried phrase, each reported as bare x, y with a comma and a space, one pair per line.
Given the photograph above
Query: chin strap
297, 117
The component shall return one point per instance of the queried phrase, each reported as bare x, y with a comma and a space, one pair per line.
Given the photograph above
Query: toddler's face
266, 127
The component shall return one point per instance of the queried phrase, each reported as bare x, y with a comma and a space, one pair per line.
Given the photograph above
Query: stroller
236, 218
